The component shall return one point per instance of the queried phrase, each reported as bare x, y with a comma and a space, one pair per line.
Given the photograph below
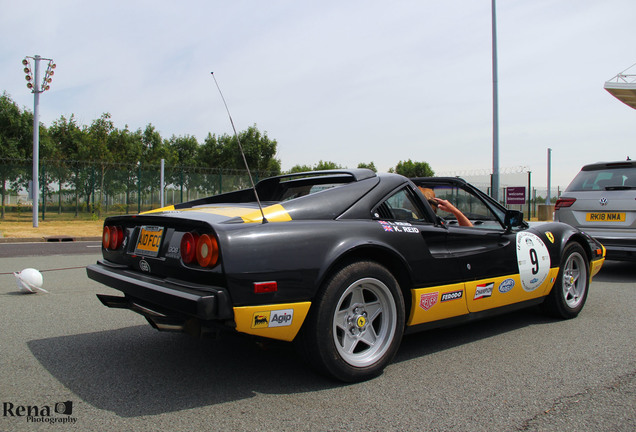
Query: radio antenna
258, 201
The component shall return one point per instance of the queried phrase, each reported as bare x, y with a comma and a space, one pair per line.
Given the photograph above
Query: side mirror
514, 218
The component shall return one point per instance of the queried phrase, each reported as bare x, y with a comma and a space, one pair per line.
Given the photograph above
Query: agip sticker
276, 318
533, 259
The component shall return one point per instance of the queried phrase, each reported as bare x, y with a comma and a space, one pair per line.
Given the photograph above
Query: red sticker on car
428, 300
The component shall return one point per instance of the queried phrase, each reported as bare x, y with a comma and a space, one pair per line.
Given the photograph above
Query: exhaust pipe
157, 320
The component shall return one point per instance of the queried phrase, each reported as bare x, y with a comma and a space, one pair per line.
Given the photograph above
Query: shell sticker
533, 259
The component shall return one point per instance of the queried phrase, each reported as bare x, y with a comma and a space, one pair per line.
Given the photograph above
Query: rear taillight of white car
112, 237
564, 202
202, 248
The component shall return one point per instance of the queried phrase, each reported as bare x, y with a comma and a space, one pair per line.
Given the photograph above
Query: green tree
300, 168
82, 157
413, 169
320, 166
369, 165
71, 144
326, 165
127, 147
187, 153
60, 134
224, 152
49, 170
260, 151
185, 149
16, 137
154, 147
99, 133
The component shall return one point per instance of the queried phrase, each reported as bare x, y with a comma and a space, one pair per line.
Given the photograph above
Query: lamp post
495, 108
33, 83
548, 199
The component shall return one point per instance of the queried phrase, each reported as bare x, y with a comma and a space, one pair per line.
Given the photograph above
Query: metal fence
100, 188
111, 188
511, 177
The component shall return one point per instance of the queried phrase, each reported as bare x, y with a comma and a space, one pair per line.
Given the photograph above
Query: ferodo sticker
533, 259
276, 318
454, 295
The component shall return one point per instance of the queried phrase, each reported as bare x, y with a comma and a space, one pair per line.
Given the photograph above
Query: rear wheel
356, 323
570, 290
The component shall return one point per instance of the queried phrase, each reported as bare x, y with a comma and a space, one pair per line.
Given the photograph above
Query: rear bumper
618, 249
163, 296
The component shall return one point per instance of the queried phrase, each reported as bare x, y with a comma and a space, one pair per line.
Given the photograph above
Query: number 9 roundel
533, 259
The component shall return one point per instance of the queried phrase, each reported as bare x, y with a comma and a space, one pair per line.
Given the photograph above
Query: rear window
299, 191
604, 179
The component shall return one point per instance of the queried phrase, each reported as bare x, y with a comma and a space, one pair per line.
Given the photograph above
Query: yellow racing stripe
158, 210
273, 213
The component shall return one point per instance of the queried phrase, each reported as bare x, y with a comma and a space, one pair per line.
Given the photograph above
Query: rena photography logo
59, 412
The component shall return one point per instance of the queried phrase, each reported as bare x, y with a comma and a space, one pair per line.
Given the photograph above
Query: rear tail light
189, 247
564, 202
112, 237
207, 251
202, 248
106, 237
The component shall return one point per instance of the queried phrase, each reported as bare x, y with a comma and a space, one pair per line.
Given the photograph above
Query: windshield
604, 179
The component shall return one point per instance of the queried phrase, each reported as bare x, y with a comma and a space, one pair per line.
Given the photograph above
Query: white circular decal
533, 259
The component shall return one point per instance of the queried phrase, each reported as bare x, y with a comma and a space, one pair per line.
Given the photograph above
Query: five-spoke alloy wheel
570, 290
364, 322
356, 323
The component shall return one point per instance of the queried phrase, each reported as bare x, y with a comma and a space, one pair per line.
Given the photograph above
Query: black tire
355, 324
569, 293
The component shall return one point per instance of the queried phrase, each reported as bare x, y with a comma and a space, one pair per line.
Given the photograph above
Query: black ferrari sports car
341, 262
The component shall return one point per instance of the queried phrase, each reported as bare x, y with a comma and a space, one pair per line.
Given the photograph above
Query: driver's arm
446, 206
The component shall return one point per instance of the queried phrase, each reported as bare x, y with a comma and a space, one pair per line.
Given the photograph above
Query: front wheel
356, 323
569, 293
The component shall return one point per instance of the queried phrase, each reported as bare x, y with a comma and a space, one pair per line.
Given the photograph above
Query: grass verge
46, 228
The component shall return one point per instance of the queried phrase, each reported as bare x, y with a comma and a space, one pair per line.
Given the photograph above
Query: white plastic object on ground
30, 280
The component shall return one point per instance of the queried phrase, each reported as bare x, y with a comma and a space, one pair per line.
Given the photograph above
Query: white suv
601, 200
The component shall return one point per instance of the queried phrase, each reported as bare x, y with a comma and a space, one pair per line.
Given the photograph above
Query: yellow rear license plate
605, 217
149, 241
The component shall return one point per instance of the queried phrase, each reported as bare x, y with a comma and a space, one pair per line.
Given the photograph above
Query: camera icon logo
65, 408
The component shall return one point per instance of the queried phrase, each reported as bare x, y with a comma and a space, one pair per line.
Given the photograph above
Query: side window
470, 205
402, 206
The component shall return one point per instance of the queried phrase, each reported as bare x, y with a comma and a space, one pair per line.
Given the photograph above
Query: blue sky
346, 81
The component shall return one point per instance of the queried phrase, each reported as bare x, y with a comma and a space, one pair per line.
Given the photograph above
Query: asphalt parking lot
94, 369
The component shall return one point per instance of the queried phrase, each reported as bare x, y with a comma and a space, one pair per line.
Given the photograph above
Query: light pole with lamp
33, 83
495, 108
